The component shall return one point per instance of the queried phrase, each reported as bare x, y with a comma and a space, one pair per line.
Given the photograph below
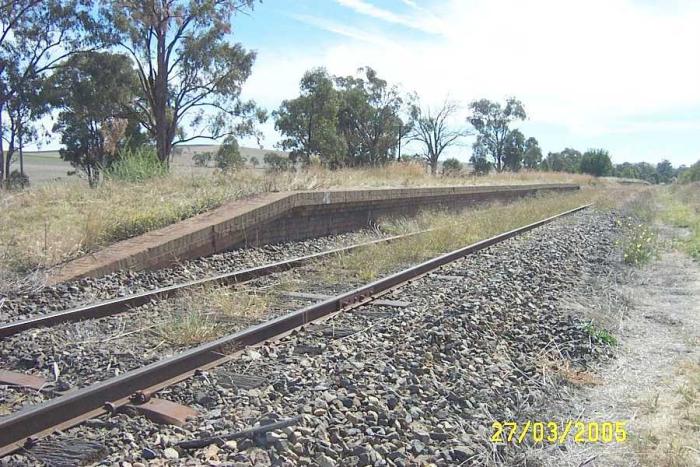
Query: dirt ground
653, 383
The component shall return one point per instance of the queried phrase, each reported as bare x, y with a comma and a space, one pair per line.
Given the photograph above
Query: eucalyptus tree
189, 72
369, 118
596, 162
514, 150
567, 160
435, 130
492, 122
35, 37
533, 154
344, 120
309, 122
94, 92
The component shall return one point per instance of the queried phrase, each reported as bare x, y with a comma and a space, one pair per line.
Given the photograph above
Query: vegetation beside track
681, 208
201, 315
48, 224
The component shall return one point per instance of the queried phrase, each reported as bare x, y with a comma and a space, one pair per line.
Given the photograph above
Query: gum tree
434, 130
492, 122
309, 122
35, 37
189, 72
94, 92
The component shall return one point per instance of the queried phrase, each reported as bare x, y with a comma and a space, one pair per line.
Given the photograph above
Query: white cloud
425, 22
584, 65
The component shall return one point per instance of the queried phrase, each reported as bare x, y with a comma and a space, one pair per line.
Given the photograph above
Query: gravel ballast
123, 283
395, 386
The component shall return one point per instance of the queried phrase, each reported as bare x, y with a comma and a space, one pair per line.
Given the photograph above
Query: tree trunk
163, 146
433, 165
21, 158
8, 161
2, 151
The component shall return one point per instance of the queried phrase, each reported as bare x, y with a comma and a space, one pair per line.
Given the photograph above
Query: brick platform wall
280, 217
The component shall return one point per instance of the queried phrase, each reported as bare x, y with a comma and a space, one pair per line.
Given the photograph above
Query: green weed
600, 334
639, 244
136, 165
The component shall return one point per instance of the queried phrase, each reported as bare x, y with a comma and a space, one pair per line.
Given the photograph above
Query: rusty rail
24, 427
119, 305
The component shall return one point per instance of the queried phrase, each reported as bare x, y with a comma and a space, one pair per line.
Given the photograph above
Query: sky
623, 75
618, 74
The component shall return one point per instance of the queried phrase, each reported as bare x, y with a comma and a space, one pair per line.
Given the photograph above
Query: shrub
691, 174
451, 167
276, 162
596, 162
228, 156
202, 159
639, 244
600, 334
482, 166
136, 165
16, 181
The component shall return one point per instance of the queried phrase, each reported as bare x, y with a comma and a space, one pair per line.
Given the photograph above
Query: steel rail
24, 427
119, 305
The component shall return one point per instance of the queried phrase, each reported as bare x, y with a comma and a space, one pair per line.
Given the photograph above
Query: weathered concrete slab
278, 217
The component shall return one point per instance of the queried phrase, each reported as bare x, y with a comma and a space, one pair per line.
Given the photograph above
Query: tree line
349, 121
120, 73
117, 75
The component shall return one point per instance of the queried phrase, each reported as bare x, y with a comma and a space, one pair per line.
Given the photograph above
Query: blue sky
619, 74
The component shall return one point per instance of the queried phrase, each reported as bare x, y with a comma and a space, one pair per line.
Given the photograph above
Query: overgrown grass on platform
48, 224
449, 231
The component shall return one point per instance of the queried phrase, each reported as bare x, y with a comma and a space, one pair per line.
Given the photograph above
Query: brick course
279, 217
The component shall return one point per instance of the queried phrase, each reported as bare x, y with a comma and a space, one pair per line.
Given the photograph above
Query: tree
432, 128
186, 67
369, 118
568, 160
35, 36
451, 167
492, 122
596, 162
626, 170
94, 92
22, 108
533, 154
647, 172
514, 150
665, 172
276, 162
691, 174
228, 156
309, 122
480, 157
345, 121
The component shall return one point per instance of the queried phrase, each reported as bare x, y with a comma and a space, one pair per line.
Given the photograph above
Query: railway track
122, 304
136, 388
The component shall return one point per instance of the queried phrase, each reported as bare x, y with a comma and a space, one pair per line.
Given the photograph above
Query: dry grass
207, 313
669, 425
449, 231
51, 223
680, 207
559, 370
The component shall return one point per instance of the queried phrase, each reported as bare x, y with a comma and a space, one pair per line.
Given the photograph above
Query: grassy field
47, 166
53, 222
